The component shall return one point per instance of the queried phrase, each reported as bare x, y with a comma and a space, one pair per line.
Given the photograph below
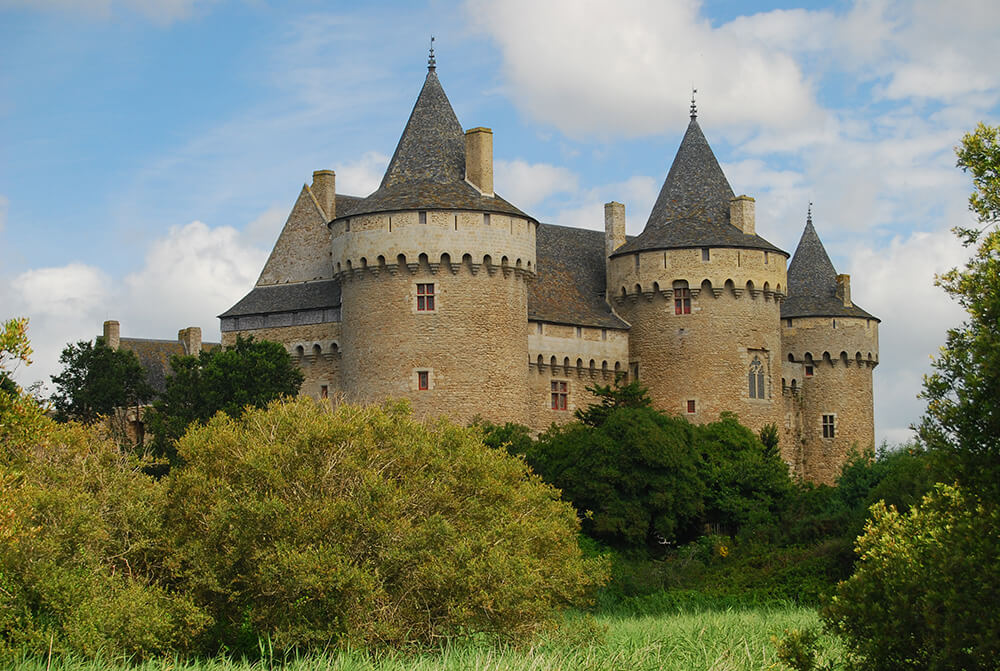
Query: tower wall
472, 344
842, 358
705, 356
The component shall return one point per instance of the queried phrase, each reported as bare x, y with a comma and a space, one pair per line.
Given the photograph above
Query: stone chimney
324, 188
742, 214
112, 334
191, 340
614, 227
844, 289
479, 159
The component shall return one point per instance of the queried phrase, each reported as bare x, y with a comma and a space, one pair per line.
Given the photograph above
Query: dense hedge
304, 526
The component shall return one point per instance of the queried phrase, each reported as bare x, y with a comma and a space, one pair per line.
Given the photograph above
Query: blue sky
151, 149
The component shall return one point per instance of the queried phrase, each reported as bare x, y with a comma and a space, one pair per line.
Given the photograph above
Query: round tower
831, 349
433, 269
702, 293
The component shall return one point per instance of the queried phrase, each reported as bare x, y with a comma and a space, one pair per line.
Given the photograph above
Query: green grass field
694, 640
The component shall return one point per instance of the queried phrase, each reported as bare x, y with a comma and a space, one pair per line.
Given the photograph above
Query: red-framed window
423, 380
829, 426
682, 301
425, 297
560, 394
809, 371
691, 407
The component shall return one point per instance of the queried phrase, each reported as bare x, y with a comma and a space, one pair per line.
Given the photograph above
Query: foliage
963, 394
923, 593
627, 395
20, 414
362, 526
769, 437
798, 649
248, 374
636, 473
514, 438
99, 382
745, 482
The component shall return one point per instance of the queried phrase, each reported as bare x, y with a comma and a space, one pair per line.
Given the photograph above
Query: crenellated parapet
438, 240
753, 273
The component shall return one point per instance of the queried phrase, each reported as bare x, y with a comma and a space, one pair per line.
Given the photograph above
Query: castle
435, 289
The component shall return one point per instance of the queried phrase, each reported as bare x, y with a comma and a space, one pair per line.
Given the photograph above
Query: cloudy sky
151, 149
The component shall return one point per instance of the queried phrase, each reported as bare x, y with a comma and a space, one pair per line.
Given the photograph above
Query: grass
732, 639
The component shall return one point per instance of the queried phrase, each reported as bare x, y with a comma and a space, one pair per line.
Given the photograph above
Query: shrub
923, 593
363, 526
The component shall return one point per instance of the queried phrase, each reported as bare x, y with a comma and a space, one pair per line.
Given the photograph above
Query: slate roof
154, 356
692, 209
286, 297
570, 286
427, 170
812, 282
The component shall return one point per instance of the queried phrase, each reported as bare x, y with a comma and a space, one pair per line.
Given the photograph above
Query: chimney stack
614, 227
191, 340
742, 214
112, 334
324, 188
844, 289
479, 159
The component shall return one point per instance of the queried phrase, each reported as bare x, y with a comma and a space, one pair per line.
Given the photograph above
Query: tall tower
433, 269
701, 291
831, 348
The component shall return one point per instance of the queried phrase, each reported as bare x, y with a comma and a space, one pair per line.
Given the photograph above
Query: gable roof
692, 209
427, 170
812, 282
154, 357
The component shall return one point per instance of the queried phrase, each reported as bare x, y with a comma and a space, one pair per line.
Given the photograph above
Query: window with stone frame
425, 297
423, 380
682, 298
829, 426
559, 394
755, 378
690, 407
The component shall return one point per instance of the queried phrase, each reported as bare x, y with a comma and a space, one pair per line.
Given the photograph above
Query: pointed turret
814, 287
693, 208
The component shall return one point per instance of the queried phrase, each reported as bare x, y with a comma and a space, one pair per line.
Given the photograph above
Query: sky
150, 150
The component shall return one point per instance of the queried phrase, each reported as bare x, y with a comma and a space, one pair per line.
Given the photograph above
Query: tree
251, 373
963, 393
20, 414
630, 395
100, 382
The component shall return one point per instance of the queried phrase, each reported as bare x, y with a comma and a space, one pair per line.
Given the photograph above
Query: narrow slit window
423, 217
706, 254
486, 218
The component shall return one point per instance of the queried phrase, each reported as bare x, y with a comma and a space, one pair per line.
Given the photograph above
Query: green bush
363, 526
924, 592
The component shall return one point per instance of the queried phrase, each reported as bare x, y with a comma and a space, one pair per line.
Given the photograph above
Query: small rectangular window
423, 380
682, 301
788, 323
425, 297
347, 226
766, 258
539, 328
324, 391
834, 323
634, 371
690, 407
486, 218
809, 371
560, 393
637, 262
579, 332
604, 334
829, 426
423, 217
706, 254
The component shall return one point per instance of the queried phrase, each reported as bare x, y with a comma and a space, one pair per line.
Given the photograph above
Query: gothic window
425, 297
829, 426
560, 392
682, 298
756, 378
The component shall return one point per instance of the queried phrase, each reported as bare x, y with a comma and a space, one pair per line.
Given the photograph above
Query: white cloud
897, 285
587, 210
264, 230
361, 177
527, 184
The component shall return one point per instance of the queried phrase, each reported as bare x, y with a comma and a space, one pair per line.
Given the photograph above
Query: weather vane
694, 108
431, 63
809, 213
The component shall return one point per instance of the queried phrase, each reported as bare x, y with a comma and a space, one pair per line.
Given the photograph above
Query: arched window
755, 378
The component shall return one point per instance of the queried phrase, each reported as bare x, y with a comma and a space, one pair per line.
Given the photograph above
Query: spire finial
694, 108
431, 63
809, 213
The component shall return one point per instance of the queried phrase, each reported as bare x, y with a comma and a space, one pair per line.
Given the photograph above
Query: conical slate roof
427, 170
812, 282
692, 209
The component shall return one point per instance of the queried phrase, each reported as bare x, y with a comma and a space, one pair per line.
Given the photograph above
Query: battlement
718, 270
390, 242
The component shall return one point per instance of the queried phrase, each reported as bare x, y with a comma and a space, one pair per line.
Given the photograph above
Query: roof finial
809, 214
431, 63
694, 108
